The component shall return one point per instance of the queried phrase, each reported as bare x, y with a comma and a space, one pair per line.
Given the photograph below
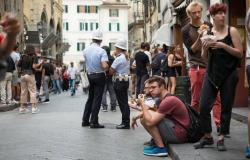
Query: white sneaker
23, 111
35, 110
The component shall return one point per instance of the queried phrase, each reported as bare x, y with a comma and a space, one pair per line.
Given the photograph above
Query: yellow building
43, 27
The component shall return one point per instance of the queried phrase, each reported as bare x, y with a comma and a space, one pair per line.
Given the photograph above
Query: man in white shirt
72, 78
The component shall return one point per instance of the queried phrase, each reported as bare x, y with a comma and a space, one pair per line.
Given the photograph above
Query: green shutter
96, 9
109, 26
86, 9
67, 26
96, 26
118, 26
78, 9
86, 26
110, 45
91, 26
78, 46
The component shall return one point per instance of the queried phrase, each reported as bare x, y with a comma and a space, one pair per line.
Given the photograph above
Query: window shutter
109, 26
96, 26
67, 26
96, 9
118, 26
86, 26
78, 46
78, 9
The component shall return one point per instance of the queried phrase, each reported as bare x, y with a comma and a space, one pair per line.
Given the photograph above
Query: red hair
217, 7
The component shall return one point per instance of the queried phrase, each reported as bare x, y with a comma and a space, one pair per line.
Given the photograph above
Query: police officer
96, 63
120, 70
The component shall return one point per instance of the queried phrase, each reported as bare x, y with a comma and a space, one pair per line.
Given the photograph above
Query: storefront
236, 18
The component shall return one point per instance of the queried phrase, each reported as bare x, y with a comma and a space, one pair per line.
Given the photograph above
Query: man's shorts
15, 78
166, 128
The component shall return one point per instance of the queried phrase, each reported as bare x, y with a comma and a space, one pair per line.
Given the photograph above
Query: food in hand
209, 38
204, 27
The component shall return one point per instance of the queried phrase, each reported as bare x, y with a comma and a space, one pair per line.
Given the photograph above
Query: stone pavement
56, 134
235, 145
4, 108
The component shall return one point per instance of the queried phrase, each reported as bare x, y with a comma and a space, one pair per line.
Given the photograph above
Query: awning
163, 35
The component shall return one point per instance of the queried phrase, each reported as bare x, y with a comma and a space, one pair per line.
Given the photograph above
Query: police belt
96, 73
121, 78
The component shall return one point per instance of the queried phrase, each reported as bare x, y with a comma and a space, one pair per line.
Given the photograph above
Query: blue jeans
56, 86
72, 85
109, 87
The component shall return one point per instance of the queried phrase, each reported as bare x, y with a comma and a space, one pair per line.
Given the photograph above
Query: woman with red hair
223, 53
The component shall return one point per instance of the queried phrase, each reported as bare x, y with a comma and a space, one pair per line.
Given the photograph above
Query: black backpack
194, 133
164, 66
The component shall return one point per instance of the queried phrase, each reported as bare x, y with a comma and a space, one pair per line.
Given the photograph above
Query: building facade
43, 27
82, 18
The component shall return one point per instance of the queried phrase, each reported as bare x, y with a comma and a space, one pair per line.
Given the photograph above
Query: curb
239, 117
172, 153
5, 108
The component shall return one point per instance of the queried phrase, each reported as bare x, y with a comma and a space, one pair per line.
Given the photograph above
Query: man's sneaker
156, 151
104, 109
149, 147
46, 101
221, 145
149, 143
35, 110
23, 111
203, 142
248, 152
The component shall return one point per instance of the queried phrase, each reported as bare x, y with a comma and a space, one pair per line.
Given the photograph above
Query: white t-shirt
72, 72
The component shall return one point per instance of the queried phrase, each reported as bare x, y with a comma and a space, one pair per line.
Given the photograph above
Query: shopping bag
84, 79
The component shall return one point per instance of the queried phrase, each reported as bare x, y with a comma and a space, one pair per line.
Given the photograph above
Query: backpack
164, 66
194, 133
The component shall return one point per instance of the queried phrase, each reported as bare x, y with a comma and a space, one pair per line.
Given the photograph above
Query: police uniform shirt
94, 55
121, 65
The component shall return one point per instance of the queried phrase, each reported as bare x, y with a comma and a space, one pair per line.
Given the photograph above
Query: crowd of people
149, 76
214, 51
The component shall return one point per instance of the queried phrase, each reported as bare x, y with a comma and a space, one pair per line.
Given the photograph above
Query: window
112, 46
91, 26
80, 46
66, 26
114, 26
81, 26
113, 13
87, 9
118, 26
109, 26
86, 26
65, 8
